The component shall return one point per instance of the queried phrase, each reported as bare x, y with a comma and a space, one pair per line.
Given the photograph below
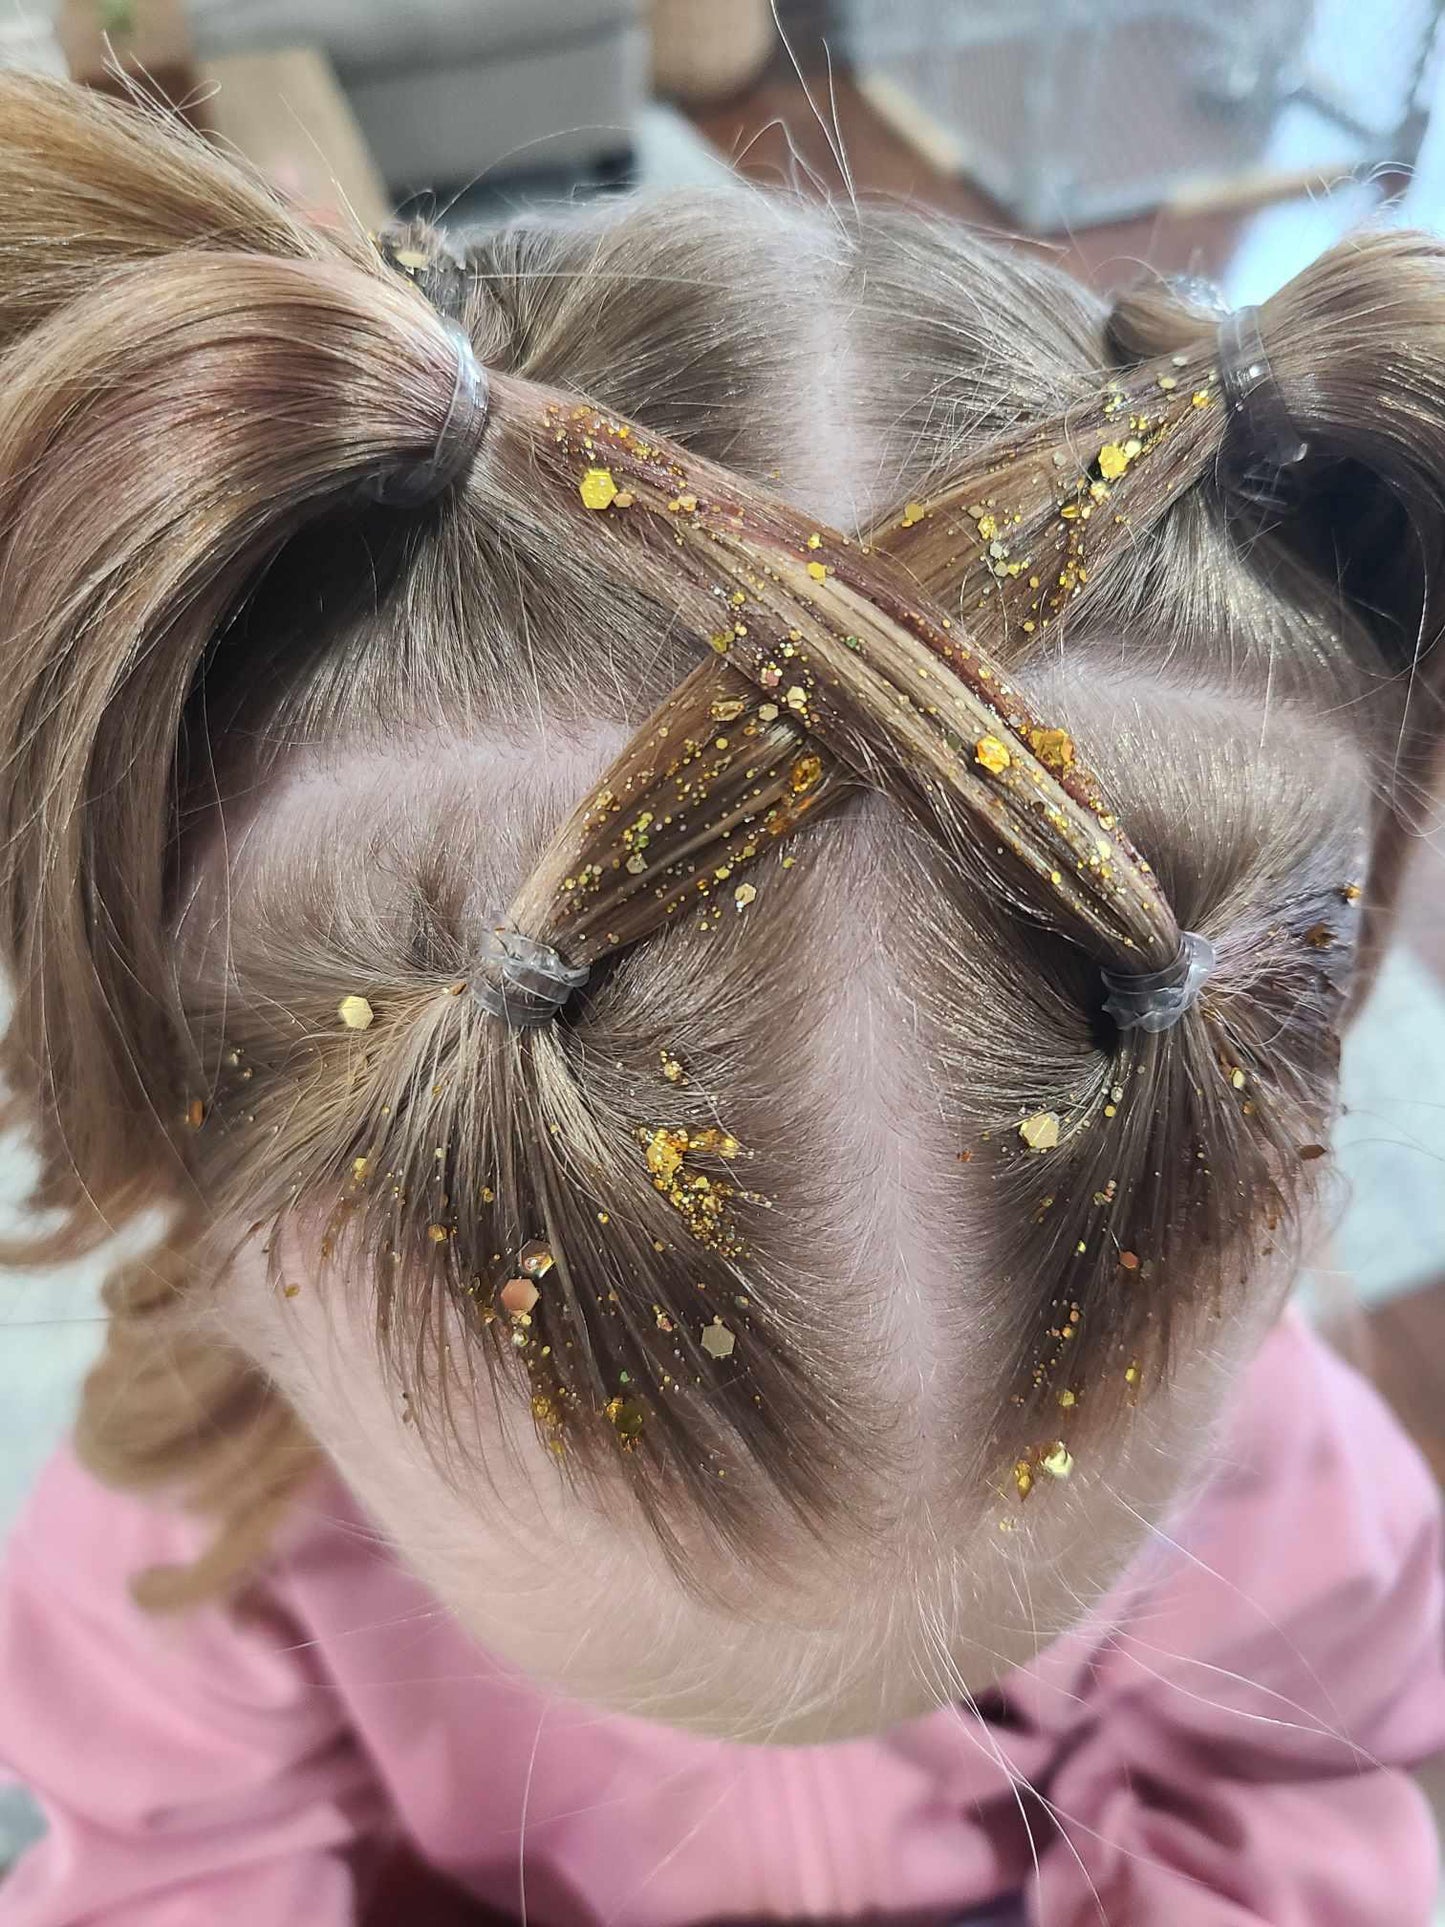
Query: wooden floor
776, 134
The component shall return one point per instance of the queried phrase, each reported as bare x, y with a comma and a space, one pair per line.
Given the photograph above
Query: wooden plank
287, 114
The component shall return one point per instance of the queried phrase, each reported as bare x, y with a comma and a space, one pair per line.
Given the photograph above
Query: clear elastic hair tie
412, 484
1264, 432
523, 982
1157, 999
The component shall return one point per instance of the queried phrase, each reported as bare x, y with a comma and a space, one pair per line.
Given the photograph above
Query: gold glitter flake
665, 1152
745, 894
535, 1258
717, 1340
546, 1413
1024, 1478
728, 711
992, 754
1112, 461
818, 570
673, 1068
1040, 1132
805, 773
356, 1013
195, 1114
519, 1296
1053, 747
597, 489
701, 1201
913, 512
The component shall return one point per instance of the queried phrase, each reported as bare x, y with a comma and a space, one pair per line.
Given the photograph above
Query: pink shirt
1223, 1744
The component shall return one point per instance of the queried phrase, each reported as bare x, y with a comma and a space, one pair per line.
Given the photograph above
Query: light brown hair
1053, 692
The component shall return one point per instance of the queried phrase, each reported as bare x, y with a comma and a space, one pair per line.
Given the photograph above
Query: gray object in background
1069, 112
447, 91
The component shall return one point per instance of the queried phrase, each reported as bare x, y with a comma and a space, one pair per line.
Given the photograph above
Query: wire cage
1069, 112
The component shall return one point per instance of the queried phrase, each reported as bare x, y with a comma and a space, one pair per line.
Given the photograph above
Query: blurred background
1232, 141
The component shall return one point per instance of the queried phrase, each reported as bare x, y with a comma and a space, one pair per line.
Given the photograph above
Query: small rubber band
523, 982
1156, 1000
412, 484
1266, 436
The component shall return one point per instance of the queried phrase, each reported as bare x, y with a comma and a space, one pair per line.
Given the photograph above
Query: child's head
819, 618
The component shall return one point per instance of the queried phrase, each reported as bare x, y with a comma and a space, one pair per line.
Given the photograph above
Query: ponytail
162, 437
1353, 369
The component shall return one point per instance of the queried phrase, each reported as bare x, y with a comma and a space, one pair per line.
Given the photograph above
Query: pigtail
1350, 356
187, 376
162, 438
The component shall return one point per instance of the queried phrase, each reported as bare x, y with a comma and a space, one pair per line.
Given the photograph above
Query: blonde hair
930, 746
